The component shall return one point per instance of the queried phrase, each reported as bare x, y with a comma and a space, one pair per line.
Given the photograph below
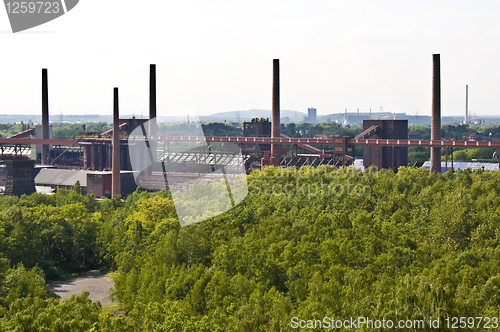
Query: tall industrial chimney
45, 116
152, 113
436, 113
275, 129
466, 104
115, 174
152, 100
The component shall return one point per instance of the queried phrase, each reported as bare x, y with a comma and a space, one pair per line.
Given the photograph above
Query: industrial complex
103, 165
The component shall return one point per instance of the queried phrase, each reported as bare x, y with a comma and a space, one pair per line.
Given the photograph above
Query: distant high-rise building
311, 115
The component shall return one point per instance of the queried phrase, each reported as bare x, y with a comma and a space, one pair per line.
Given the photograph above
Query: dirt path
94, 282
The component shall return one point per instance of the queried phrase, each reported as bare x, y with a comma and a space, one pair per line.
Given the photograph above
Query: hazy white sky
217, 55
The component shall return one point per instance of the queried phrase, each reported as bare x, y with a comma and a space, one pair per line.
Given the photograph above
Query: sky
216, 56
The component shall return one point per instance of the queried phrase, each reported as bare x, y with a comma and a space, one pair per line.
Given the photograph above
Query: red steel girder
396, 142
368, 132
408, 142
23, 133
245, 139
37, 141
110, 131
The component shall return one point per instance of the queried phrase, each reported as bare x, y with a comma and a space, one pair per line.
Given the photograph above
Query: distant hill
217, 117
241, 116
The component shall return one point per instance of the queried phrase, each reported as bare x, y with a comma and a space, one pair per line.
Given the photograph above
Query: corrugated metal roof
61, 177
8, 150
464, 165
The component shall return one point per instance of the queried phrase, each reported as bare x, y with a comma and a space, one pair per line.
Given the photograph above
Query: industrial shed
61, 178
91, 182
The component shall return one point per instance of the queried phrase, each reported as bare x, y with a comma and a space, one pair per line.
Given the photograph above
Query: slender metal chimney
152, 113
115, 174
466, 104
275, 129
45, 116
152, 100
436, 113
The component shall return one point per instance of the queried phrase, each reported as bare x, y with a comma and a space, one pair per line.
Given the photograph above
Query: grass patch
114, 309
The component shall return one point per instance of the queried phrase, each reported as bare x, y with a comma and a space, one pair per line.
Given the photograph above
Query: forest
305, 244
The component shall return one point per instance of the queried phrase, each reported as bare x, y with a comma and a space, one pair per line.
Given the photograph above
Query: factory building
385, 156
91, 182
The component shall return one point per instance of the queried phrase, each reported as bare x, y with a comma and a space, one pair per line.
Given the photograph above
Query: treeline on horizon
70, 130
298, 130
411, 245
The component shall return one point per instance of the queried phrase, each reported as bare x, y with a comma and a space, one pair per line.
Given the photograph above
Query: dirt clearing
94, 282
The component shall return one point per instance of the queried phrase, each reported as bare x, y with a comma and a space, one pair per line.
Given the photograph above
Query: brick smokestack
45, 116
275, 129
436, 113
115, 174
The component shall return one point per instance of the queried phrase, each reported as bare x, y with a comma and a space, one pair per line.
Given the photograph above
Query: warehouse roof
464, 165
61, 177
